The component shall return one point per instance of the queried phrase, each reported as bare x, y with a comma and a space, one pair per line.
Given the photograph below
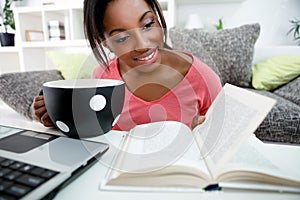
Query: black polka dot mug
84, 108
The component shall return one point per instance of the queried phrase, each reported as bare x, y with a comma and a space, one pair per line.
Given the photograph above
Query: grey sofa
229, 53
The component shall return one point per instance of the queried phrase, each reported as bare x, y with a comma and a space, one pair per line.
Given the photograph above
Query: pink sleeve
212, 84
213, 89
98, 72
112, 72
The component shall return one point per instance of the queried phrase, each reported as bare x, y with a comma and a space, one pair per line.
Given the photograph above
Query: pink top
193, 95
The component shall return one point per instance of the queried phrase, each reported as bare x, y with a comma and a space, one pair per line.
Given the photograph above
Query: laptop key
37, 171
7, 197
6, 163
16, 165
26, 168
18, 190
13, 175
30, 180
4, 184
4, 171
48, 174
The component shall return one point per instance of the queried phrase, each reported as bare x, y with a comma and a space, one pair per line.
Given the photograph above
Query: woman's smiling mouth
148, 57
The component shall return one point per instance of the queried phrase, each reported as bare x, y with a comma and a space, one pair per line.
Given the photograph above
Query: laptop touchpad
24, 141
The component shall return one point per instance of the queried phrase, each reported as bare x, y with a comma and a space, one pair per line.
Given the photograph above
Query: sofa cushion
231, 49
72, 65
290, 91
195, 47
19, 89
282, 123
275, 71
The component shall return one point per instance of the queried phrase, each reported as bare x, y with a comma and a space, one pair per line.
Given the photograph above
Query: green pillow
275, 71
72, 65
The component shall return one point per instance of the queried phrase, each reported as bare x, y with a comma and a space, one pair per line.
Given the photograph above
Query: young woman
161, 84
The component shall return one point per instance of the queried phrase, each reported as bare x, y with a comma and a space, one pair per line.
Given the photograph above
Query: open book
168, 155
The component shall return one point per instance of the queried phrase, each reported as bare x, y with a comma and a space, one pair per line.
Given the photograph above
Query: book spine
56, 33
56, 30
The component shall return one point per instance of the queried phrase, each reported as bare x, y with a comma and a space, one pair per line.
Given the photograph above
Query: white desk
87, 185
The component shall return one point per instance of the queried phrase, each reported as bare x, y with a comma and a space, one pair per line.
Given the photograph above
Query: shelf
9, 50
61, 43
206, 1
30, 9
27, 9
37, 17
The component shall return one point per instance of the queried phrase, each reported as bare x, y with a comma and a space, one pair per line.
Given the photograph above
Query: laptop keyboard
18, 179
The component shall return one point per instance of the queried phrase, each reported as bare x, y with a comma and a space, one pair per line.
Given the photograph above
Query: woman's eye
121, 39
149, 24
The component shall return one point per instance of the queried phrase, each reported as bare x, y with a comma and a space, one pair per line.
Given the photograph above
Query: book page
156, 150
232, 118
259, 160
155, 145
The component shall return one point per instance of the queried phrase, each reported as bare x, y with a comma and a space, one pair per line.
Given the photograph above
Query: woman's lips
148, 57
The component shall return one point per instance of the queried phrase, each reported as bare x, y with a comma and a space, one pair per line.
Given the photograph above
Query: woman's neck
153, 84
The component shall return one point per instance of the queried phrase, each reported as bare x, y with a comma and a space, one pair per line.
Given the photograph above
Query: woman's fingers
40, 111
38, 102
199, 119
45, 119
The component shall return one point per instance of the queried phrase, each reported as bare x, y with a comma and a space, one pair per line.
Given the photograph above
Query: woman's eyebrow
143, 16
117, 30
122, 29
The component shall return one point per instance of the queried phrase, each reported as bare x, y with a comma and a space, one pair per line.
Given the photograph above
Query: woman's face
132, 32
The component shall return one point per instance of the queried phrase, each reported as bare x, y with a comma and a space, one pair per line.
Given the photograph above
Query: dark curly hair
93, 12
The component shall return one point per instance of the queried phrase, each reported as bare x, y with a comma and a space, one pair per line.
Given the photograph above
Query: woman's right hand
40, 112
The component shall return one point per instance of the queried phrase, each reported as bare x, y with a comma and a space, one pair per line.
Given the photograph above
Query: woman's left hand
198, 119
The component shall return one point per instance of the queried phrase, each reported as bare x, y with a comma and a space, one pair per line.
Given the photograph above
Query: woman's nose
141, 40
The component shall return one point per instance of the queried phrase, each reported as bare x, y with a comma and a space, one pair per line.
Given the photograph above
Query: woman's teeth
146, 58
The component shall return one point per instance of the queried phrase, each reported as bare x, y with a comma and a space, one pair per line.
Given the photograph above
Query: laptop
35, 165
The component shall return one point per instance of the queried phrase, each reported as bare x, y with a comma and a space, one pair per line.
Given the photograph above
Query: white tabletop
86, 186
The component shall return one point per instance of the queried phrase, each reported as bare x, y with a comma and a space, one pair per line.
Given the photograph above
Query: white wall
57, 2
273, 16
